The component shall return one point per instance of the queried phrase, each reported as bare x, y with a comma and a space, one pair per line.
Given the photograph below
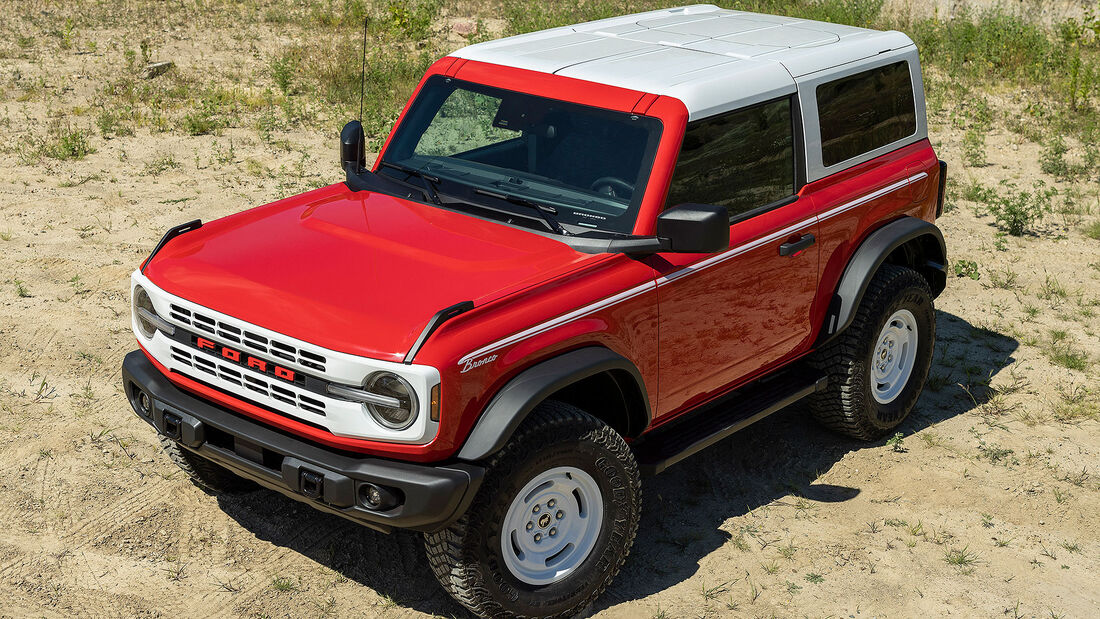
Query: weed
897, 443
1000, 542
1017, 211
21, 289
284, 584
66, 145
987, 521
788, 551
1093, 230
815, 578
1064, 353
1004, 279
710, 593
160, 165
966, 268
110, 125
974, 148
771, 567
1072, 548
960, 558
793, 588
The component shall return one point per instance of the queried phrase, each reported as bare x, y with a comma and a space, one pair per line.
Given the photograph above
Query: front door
724, 317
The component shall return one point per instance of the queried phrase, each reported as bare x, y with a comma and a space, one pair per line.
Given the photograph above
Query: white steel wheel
552, 525
894, 356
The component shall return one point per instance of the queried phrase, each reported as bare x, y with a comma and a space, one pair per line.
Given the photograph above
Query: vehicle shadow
684, 508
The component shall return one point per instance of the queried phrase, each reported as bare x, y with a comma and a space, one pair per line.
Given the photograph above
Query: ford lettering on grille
244, 359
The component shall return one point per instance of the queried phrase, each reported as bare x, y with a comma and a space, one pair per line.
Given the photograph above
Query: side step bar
667, 445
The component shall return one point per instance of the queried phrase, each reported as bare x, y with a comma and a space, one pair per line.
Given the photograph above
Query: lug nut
530, 526
536, 509
553, 532
551, 503
560, 514
538, 537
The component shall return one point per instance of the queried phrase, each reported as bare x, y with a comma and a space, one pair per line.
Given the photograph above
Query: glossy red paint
736, 312
842, 234
356, 272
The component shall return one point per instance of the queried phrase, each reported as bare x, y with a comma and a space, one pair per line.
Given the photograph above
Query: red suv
582, 255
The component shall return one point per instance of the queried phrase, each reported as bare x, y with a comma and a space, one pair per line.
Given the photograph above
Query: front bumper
427, 497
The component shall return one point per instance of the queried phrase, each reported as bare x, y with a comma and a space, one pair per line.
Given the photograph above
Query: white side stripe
688, 270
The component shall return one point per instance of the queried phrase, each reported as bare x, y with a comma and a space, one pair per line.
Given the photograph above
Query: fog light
376, 497
145, 403
373, 496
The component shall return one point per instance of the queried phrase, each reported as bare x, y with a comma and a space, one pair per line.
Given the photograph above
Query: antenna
363, 70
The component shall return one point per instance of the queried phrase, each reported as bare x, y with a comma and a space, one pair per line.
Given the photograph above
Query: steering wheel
612, 186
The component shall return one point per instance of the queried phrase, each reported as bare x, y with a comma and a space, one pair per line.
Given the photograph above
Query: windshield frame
431, 96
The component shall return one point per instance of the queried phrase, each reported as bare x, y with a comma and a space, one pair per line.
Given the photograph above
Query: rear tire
878, 365
208, 476
551, 525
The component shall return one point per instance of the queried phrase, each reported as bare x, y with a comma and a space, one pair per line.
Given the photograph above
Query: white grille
247, 339
247, 379
340, 417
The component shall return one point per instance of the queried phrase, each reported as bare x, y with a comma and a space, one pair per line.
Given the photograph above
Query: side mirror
695, 228
353, 155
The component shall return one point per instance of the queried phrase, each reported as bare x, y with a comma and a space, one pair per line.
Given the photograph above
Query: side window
741, 160
865, 111
464, 123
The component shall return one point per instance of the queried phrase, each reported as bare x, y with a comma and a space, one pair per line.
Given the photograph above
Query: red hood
356, 272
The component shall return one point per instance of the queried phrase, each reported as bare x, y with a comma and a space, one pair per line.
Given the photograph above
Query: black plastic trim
943, 188
437, 321
172, 233
434, 496
511, 405
866, 261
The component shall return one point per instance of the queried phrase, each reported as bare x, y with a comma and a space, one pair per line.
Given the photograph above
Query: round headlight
142, 301
391, 385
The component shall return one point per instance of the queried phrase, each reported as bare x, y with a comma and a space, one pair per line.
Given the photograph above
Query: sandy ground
784, 519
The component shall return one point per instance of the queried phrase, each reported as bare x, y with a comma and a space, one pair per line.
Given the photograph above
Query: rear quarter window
859, 113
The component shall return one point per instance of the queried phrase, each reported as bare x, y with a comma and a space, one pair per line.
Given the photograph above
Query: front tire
551, 525
877, 366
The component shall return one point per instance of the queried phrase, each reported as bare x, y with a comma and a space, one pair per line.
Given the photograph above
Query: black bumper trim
432, 497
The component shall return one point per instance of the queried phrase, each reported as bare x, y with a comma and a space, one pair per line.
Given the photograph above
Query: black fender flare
519, 396
931, 261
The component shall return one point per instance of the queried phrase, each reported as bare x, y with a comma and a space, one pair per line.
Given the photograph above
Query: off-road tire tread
444, 548
205, 474
839, 406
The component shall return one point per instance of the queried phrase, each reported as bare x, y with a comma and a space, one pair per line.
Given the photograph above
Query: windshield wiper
430, 191
543, 210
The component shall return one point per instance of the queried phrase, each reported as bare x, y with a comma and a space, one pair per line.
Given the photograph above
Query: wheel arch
908, 242
580, 377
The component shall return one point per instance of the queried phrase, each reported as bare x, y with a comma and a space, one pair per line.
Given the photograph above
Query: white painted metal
552, 525
712, 59
807, 99
342, 417
894, 356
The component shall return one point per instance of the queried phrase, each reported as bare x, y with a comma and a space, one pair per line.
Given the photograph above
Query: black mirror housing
353, 156
695, 228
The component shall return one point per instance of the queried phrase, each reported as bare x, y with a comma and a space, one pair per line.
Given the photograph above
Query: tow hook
313, 484
173, 426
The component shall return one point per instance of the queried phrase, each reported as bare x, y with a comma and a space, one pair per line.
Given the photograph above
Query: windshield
536, 158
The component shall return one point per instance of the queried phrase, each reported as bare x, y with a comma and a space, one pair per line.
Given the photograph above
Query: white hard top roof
711, 59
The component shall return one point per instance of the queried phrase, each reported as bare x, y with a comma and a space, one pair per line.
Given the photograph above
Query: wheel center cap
544, 520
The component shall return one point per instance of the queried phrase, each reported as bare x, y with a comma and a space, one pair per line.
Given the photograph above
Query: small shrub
69, 144
974, 148
967, 268
1017, 212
